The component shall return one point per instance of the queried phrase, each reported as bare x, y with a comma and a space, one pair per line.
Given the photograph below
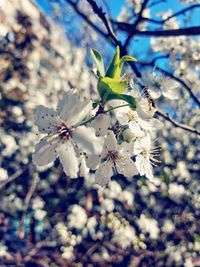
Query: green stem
92, 118
89, 120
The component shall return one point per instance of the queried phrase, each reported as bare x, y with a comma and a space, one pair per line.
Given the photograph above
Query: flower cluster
111, 135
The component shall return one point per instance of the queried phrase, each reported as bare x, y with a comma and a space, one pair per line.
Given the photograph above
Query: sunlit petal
46, 119
101, 124
104, 173
93, 161
68, 159
87, 140
45, 152
71, 109
126, 167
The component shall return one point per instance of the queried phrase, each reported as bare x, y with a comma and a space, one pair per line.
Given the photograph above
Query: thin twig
137, 22
11, 178
86, 19
167, 73
109, 37
177, 124
102, 15
112, 37
188, 89
26, 205
156, 3
181, 12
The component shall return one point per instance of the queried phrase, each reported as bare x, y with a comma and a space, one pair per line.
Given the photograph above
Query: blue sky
115, 7
141, 44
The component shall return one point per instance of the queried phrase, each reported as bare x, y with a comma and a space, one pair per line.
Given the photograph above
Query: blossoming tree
111, 126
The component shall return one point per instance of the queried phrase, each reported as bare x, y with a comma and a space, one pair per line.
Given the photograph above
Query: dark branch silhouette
129, 28
111, 37
177, 124
176, 14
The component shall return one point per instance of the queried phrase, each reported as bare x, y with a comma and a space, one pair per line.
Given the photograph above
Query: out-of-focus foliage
46, 219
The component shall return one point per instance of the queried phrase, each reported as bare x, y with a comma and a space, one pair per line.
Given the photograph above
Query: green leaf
116, 86
113, 70
97, 57
103, 90
125, 59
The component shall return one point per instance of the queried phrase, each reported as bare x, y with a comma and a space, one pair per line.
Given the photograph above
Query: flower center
64, 132
132, 116
113, 155
145, 153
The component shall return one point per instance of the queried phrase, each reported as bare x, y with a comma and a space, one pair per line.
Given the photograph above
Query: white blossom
125, 236
78, 217
101, 124
145, 157
65, 134
148, 225
112, 158
158, 85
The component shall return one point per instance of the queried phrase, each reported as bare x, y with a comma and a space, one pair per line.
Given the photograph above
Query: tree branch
102, 15
129, 28
167, 73
11, 178
26, 205
181, 12
138, 20
156, 3
188, 89
99, 12
85, 18
110, 36
177, 124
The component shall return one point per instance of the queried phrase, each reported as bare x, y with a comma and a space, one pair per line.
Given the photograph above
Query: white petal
84, 170
115, 103
170, 89
68, 159
110, 143
144, 109
71, 109
92, 161
45, 152
149, 173
46, 119
138, 148
140, 164
141, 144
145, 124
170, 94
122, 117
126, 148
87, 140
104, 173
136, 129
155, 92
146, 141
128, 135
135, 92
126, 167
101, 124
